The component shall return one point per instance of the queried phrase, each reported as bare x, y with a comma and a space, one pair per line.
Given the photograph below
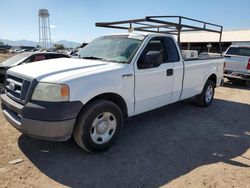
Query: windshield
241, 51
15, 59
116, 48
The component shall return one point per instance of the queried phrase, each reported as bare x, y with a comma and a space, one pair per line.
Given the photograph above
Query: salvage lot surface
4, 56
180, 145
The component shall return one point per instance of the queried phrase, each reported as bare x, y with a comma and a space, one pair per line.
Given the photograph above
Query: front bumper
44, 120
237, 75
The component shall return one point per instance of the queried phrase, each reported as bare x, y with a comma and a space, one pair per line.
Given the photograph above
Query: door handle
128, 76
170, 72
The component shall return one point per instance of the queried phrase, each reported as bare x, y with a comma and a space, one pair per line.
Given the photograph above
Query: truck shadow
155, 147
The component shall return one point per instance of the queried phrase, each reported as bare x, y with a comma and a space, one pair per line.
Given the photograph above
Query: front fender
88, 88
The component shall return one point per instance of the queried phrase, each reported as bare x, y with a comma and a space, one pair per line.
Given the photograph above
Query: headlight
51, 92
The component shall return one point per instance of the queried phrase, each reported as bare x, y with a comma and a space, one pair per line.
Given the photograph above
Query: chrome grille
17, 88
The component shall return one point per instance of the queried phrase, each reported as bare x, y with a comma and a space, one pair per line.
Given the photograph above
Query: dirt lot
180, 145
4, 56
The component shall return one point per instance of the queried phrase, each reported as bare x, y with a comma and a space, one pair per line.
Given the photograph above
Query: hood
58, 70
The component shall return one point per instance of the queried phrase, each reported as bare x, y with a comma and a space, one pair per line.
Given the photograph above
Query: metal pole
179, 33
46, 23
45, 34
220, 40
44, 41
130, 30
42, 32
49, 34
39, 30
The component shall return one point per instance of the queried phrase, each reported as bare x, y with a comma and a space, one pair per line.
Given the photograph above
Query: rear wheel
98, 125
206, 97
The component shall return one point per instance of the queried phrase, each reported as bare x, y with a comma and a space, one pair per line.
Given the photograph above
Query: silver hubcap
209, 94
103, 128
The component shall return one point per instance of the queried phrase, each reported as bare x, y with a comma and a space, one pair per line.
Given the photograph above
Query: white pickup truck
237, 63
117, 76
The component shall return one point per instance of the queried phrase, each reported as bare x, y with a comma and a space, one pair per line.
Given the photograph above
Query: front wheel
206, 97
97, 125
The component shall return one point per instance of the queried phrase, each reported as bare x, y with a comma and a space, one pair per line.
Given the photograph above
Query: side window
50, 56
31, 59
172, 51
53, 56
39, 57
155, 45
28, 60
61, 56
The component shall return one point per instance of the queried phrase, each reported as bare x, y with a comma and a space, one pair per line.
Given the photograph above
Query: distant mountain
68, 44
19, 42
65, 43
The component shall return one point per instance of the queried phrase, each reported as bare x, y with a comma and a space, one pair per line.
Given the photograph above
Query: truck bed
197, 72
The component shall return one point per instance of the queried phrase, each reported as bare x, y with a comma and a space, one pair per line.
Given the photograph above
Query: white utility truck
116, 76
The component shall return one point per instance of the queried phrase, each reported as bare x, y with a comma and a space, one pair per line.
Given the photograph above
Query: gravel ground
180, 145
4, 56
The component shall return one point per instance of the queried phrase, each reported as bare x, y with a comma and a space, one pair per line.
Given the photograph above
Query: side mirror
154, 57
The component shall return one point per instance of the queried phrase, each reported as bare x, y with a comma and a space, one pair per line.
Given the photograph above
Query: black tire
201, 98
84, 129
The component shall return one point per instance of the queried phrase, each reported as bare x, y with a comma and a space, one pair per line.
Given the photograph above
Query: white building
200, 40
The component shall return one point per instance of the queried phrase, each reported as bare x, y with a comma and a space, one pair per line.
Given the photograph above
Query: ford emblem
11, 86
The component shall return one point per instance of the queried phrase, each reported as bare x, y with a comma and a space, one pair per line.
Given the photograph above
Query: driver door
153, 83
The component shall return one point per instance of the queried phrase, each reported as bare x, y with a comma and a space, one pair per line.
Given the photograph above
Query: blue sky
75, 20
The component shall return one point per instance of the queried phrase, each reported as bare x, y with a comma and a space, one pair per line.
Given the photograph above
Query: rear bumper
48, 121
237, 75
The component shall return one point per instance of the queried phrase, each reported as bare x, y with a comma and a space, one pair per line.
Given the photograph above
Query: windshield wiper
95, 58
123, 62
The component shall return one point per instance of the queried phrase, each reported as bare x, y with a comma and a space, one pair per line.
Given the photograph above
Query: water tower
44, 29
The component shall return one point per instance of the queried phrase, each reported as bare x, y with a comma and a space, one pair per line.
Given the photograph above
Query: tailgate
236, 63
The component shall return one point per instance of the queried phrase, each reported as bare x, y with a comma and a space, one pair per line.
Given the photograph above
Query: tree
1, 43
59, 46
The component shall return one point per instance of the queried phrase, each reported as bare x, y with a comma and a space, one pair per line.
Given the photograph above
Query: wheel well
115, 98
213, 78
